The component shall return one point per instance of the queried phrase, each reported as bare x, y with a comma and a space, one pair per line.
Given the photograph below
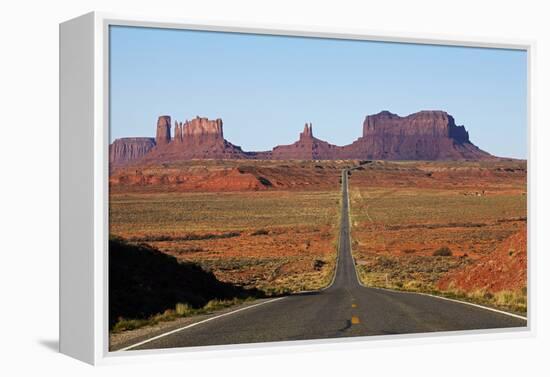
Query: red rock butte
425, 135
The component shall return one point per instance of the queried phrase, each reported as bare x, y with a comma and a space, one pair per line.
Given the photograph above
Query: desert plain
271, 226
457, 228
452, 228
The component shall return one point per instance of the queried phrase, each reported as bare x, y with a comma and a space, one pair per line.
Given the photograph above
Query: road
344, 309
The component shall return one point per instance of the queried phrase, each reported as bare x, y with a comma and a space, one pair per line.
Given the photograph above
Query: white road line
454, 300
197, 323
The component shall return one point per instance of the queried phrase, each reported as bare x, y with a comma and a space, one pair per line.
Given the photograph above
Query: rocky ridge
127, 149
425, 135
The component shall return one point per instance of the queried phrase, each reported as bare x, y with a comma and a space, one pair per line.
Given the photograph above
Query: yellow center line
354, 320
353, 305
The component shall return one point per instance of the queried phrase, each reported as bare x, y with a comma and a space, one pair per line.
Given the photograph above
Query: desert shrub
260, 232
408, 251
318, 264
386, 262
182, 309
443, 252
265, 181
209, 236
219, 304
129, 324
508, 298
167, 315
183, 237
524, 291
192, 249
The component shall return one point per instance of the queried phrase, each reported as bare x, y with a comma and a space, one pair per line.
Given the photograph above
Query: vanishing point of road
344, 309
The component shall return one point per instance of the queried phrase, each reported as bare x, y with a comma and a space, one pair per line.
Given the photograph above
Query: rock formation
164, 124
178, 133
127, 149
199, 138
203, 131
307, 147
426, 135
423, 123
308, 132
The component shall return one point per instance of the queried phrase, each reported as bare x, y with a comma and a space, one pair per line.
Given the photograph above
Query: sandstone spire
163, 130
307, 133
178, 132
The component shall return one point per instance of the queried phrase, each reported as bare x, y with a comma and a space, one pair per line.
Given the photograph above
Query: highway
344, 309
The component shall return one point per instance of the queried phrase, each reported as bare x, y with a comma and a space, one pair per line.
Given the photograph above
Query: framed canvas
243, 188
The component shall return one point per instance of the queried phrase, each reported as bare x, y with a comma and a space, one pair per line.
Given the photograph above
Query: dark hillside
143, 282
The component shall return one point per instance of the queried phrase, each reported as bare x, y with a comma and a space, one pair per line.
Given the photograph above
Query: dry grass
510, 300
414, 222
180, 311
266, 240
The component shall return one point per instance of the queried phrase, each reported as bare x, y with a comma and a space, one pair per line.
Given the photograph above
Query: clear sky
266, 87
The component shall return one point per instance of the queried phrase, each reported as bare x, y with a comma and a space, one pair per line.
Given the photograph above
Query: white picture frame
84, 115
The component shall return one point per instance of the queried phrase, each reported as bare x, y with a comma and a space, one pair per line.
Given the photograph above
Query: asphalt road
344, 309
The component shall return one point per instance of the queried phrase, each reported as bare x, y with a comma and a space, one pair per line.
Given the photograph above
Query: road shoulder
128, 338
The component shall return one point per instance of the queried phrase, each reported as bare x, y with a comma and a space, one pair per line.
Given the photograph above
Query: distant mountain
127, 149
199, 138
426, 135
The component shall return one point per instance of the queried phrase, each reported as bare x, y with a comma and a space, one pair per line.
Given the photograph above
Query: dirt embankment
212, 176
503, 269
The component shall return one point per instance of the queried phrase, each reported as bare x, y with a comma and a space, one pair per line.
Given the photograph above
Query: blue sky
266, 87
